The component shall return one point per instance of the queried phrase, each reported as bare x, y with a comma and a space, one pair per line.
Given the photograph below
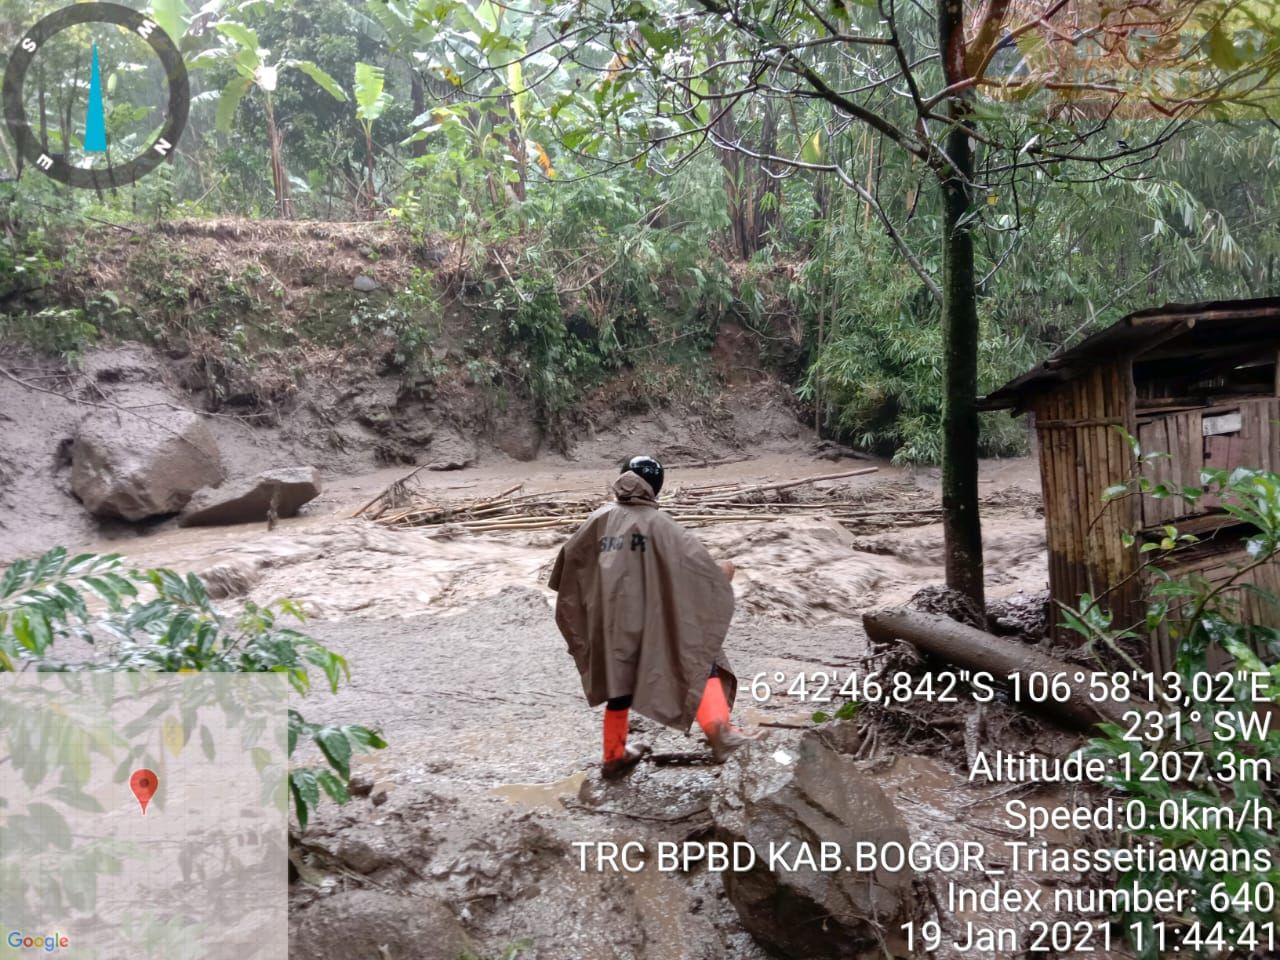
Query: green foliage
1203, 616
337, 744
465, 121
172, 16
139, 620
552, 363
415, 323
846, 711
371, 96
27, 258
31, 254
326, 82
57, 330
409, 322
879, 368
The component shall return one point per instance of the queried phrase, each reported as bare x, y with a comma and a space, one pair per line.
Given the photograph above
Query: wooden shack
1199, 382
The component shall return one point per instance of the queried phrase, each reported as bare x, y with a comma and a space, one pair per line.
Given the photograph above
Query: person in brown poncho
644, 610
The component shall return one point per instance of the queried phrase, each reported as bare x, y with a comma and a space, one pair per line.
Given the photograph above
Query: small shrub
160, 620
1225, 763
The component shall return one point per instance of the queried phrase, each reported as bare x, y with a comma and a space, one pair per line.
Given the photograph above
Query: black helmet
649, 469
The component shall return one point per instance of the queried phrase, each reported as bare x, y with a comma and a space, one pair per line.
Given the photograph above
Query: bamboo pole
788, 484
385, 490
718, 503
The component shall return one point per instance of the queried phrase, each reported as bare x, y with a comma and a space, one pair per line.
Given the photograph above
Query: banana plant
255, 71
371, 103
172, 16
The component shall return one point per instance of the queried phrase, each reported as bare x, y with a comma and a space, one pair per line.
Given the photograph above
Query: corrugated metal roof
1183, 327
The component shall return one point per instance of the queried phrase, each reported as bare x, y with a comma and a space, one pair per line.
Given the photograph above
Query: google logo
48, 943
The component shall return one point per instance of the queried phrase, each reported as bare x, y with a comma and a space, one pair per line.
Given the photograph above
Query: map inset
90, 870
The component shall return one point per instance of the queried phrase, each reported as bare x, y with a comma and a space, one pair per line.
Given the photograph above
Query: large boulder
371, 923
517, 434
248, 501
803, 793
450, 451
133, 466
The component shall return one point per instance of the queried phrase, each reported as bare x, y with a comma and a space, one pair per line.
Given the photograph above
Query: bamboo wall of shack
1081, 455
1199, 383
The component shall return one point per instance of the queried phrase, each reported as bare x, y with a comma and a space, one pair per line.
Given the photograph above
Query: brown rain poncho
643, 607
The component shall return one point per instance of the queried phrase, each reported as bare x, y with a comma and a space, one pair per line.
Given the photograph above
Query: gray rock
146, 465
516, 435
360, 785
371, 923
802, 792
362, 856
365, 284
450, 451
233, 579
247, 501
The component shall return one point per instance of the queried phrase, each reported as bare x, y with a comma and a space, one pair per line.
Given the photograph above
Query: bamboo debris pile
727, 502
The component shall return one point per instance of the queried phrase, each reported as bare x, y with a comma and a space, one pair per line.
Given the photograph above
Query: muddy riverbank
470, 839
491, 776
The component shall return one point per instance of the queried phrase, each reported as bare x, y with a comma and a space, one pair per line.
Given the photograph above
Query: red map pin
144, 783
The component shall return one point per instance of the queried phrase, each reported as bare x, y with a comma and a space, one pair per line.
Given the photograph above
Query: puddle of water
541, 795
923, 779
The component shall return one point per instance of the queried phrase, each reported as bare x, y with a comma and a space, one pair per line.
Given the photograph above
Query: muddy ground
491, 774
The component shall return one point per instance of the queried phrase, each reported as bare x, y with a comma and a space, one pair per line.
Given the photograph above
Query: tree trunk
734, 182
767, 196
68, 106
279, 176
418, 91
368, 157
962, 528
44, 121
746, 184
972, 649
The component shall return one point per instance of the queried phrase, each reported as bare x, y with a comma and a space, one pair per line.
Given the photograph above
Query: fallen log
973, 649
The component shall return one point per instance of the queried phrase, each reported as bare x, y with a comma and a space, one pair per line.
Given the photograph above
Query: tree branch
824, 90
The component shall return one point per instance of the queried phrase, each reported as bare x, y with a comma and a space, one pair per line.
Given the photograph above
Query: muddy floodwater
491, 776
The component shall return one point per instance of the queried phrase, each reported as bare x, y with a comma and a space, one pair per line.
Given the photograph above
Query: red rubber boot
713, 718
619, 759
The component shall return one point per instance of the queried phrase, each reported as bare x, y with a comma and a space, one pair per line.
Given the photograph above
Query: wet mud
466, 839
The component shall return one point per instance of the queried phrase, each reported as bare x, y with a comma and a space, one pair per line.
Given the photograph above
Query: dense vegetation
381, 111
1209, 621
921, 199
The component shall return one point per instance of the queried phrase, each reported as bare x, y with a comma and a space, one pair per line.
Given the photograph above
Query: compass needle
95, 125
